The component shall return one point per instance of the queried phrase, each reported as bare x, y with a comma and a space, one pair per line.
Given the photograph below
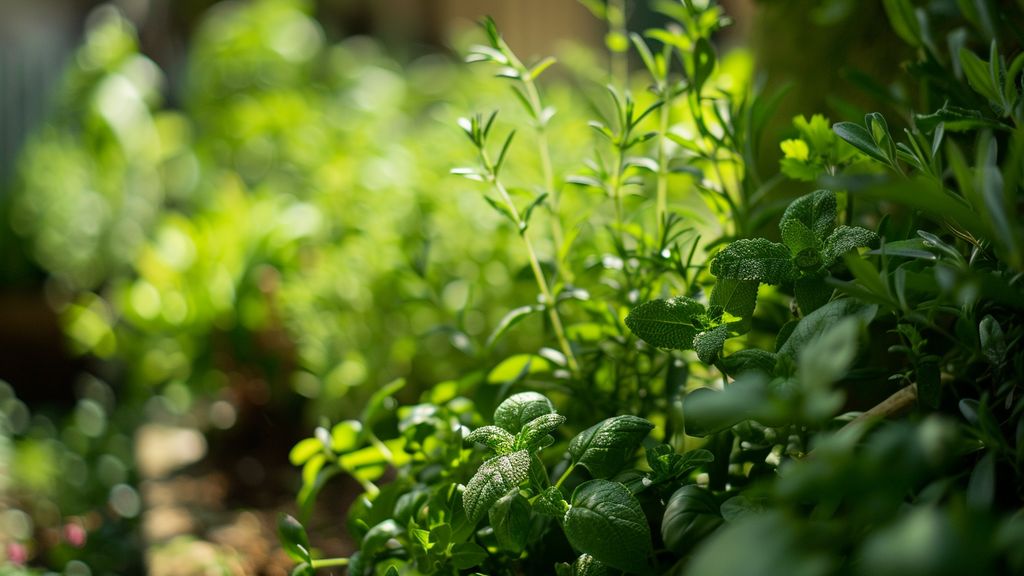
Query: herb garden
685, 301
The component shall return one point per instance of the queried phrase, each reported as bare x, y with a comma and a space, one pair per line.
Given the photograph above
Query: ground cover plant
711, 400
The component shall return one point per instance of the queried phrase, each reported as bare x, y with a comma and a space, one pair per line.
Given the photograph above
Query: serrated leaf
518, 409
755, 259
535, 431
495, 478
817, 211
798, 236
708, 344
510, 519
495, 438
606, 522
668, 323
846, 238
690, 516
606, 447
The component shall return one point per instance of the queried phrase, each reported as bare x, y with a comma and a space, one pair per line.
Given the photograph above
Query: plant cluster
843, 401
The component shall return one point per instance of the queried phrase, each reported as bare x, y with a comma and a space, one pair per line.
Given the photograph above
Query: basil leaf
607, 446
518, 409
690, 516
510, 519
667, 323
754, 259
606, 522
495, 438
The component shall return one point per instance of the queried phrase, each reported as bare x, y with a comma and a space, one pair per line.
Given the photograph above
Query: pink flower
17, 554
75, 534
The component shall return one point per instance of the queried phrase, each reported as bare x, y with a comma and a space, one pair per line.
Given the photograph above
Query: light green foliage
517, 410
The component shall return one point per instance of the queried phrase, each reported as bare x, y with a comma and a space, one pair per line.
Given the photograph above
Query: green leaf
537, 429
737, 298
690, 516
587, 565
816, 211
824, 361
606, 447
375, 404
467, 555
811, 292
293, 538
904, 21
667, 323
846, 238
495, 478
750, 359
755, 259
510, 519
345, 436
858, 137
518, 409
798, 236
551, 502
814, 324
981, 488
708, 411
305, 450
709, 343
495, 438
993, 340
978, 76
377, 537
606, 522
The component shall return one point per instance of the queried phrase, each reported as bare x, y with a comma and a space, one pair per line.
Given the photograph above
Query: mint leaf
690, 516
817, 211
754, 259
495, 438
607, 446
846, 238
510, 519
536, 430
709, 343
667, 323
518, 409
606, 522
495, 478
798, 236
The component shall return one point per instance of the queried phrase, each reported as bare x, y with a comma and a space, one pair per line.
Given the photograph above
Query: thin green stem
617, 28
616, 192
565, 475
538, 272
661, 207
328, 562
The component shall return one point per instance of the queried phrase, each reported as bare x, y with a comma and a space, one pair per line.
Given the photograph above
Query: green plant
850, 405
